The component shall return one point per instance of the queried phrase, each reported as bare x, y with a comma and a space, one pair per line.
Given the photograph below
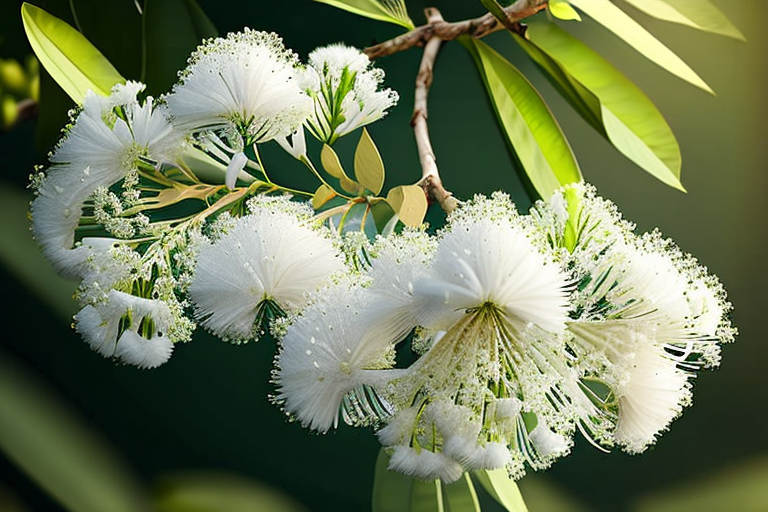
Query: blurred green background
207, 408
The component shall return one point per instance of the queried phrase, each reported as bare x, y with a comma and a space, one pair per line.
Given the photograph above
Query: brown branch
445, 31
430, 177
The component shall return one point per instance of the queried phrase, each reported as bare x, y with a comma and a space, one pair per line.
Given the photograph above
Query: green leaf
172, 29
618, 22
332, 166
391, 490
219, 492
699, 14
51, 445
530, 128
369, 169
502, 488
609, 101
67, 55
496, 9
427, 496
563, 10
384, 216
460, 496
322, 195
21, 255
410, 204
391, 11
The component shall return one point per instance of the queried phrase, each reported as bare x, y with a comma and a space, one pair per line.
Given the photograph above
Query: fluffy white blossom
645, 314
345, 87
101, 147
244, 86
130, 329
264, 265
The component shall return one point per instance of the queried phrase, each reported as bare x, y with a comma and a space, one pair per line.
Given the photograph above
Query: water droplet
308, 352
312, 340
315, 364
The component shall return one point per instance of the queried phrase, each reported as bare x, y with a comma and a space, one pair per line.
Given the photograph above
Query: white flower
322, 359
424, 464
243, 84
263, 266
645, 315
99, 149
502, 306
128, 328
345, 88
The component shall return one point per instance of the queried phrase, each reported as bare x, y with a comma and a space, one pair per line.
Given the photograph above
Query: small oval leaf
410, 204
322, 195
75, 64
391, 490
369, 169
332, 166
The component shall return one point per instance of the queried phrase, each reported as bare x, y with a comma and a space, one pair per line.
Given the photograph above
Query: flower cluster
524, 329
486, 344
164, 211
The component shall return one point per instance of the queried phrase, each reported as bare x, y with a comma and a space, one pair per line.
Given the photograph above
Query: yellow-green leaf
619, 22
460, 496
391, 11
57, 451
502, 488
563, 10
391, 490
67, 55
699, 14
530, 128
410, 204
427, 496
332, 166
369, 169
608, 100
220, 492
322, 195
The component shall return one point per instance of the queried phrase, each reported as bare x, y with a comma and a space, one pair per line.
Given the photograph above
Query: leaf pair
408, 202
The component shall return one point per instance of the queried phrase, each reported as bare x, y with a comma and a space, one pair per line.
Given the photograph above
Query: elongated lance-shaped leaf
699, 14
460, 496
608, 100
391, 11
369, 169
621, 24
529, 126
502, 488
391, 490
172, 29
56, 450
75, 64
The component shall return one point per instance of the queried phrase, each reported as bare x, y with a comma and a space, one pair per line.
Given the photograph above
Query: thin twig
445, 31
430, 177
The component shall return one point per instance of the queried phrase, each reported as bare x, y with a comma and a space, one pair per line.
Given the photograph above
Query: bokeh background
207, 408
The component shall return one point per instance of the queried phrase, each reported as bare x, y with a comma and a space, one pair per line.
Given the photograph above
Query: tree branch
445, 31
430, 177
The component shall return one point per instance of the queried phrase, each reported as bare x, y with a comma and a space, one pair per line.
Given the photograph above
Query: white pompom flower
127, 328
101, 147
264, 266
346, 90
645, 316
243, 86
